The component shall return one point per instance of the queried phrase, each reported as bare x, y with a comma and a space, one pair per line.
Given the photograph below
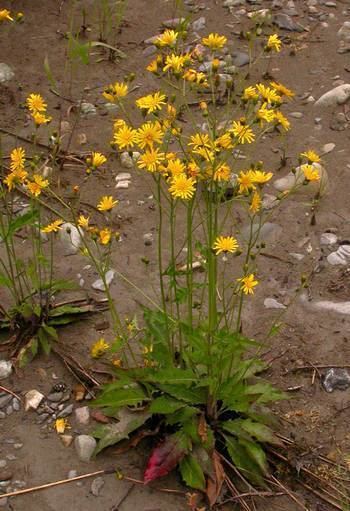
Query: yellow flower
37, 185
255, 204
182, 187
149, 134
106, 203
61, 425
200, 140
193, 170
17, 157
225, 244
176, 167
118, 123
281, 120
83, 221
36, 103
224, 141
193, 76
153, 66
175, 62
246, 181
311, 156
151, 102
250, 93
248, 283
168, 38
40, 118
260, 177
265, 114
99, 348
274, 43
53, 227
214, 41
96, 160
310, 173
150, 159
17, 176
105, 236
281, 89
5, 15
125, 137
268, 94
222, 173
117, 362
243, 132
116, 91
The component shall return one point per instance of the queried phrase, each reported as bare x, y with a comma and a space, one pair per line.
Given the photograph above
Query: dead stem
4, 389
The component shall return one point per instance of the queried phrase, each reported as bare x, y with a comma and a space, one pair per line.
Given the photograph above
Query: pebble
6, 73
269, 201
97, 485
173, 22
9, 410
6, 475
71, 474
123, 176
2, 415
87, 109
82, 415
5, 369
122, 185
328, 148
126, 160
66, 411
99, 285
269, 232
11, 457
286, 22
3, 464
297, 115
199, 24
5, 400
66, 440
340, 256
339, 122
271, 303
337, 96
16, 404
85, 446
328, 238
17, 446
33, 399
148, 239
55, 397
70, 237
336, 379
240, 59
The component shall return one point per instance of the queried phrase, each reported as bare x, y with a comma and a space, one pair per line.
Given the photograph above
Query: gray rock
173, 22
87, 109
33, 399
123, 176
9, 410
296, 115
344, 32
85, 446
287, 23
71, 238
17, 446
6, 73
126, 160
199, 24
99, 285
269, 201
82, 415
336, 379
16, 404
340, 256
149, 50
5, 369
337, 96
328, 148
296, 179
339, 122
3, 463
97, 485
2, 415
328, 238
148, 239
11, 457
65, 412
55, 397
240, 58
5, 400
271, 303
269, 232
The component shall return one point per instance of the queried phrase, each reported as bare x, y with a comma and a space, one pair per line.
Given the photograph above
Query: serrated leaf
188, 394
121, 397
255, 452
165, 405
110, 434
172, 375
242, 461
261, 432
65, 309
165, 457
265, 392
50, 331
192, 472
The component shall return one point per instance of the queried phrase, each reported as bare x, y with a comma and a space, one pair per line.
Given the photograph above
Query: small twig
320, 496
289, 493
312, 367
4, 389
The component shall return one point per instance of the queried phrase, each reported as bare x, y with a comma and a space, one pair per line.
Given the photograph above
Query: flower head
99, 348
175, 167
222, 173
40, 118
214, 41
281, 120
17, 176
250, 93
281, 89
260, 177
243, 132
83, 221
274, 43
311, 156
150, 159
246, 181
125, 137
36, 103
17, 157
53, 227
105, 236
61, 425
248, 283
5, 15
148, 134
255, 203
182, 187
152, 102
310, 172
269, 95
106, 203
114, 92
265, 114
225, 244
175, 63
37, 185
168, 38
96, 160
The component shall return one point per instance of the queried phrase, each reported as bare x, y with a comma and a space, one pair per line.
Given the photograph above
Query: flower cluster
37, 108
18, 174
6, 15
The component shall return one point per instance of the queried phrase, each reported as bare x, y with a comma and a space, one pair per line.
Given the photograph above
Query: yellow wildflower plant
114, 92
264, 113
106, 203
248, 284
167, 38
125, 137
222, 173
175, 63
15, 177
5, 14
269, 95
224, 141
36, 103
311, 156
152, 102
214, 41
255, 204
95, 161
37, 184
200, 140
274, 43
99, 348
246, 181
148, 134
150, 160
281, 120
310, 172
243, 132
54, 226
18, 158
175, 167
182, 187
105, 236
250, 93
197, 77
224, 244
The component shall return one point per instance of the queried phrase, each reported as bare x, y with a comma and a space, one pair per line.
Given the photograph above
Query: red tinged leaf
165, 457
98, 416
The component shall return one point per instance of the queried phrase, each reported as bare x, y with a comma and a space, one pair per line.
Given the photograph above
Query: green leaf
242, 461
182, 415
259, 431
111, 434
33, 346
48, 73
60, 285
172, 375
77, 50
191, 395
44, 341
65, 309
19, 222
119, 53
5, 281
256, 453
181, 294
121, 397
192, 472
51, 332
165, 405
264, 392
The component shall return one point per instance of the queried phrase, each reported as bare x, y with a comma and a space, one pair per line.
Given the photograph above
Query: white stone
328, 238
269, 201
99, 285
82, 415
5, 369
328, 148
32, 400
344, 32
71, 238
198, 24
85, 446
97, 485
123, 176
271, 303
340, 256
122, 184
337, 96
340, 307
297, 179
126, 160
87, 109
6, 73
297, 256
